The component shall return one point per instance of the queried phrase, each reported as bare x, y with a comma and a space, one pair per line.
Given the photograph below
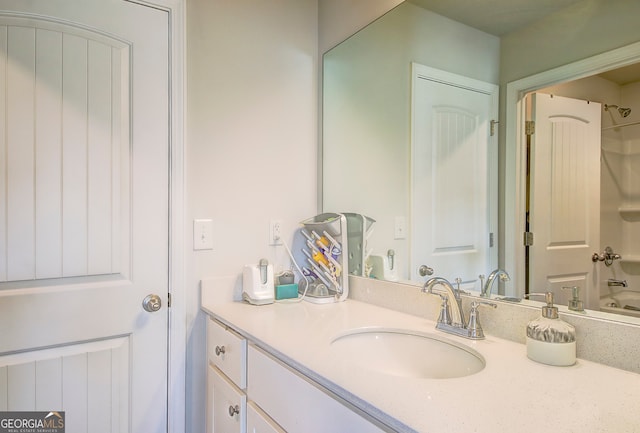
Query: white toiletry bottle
551, 340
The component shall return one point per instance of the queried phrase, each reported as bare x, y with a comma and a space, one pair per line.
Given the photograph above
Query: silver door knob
425, 270
151, 303
234, 410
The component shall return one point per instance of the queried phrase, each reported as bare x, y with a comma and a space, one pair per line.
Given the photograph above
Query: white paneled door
565, 196
454, 175
84, 145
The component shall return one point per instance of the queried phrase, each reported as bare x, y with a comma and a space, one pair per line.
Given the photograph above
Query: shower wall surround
629, 211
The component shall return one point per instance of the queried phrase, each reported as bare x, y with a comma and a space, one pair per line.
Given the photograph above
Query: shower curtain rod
621, 125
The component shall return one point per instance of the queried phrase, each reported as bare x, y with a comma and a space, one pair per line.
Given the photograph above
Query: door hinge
530, 127
528, 239
490, 240
492, 129
168, 300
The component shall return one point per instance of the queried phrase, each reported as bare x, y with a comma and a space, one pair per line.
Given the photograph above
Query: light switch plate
203, 234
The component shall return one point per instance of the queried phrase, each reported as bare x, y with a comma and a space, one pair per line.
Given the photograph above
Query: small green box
287, 291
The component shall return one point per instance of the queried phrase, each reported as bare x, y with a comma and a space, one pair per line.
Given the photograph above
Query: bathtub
616, 303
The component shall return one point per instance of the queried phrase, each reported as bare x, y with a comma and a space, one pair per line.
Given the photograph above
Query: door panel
85, 237
565, 196
48, 154
63, 148
86, 377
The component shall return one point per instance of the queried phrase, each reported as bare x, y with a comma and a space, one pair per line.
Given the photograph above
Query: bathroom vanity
280, 371
278, 396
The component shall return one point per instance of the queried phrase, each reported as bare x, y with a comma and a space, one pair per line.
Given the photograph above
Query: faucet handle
458, 291
476, 304
445, 311
481, 278
458, 280
474, 328
575, 303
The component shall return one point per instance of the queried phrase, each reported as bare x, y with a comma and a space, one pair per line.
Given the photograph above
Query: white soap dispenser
551, 340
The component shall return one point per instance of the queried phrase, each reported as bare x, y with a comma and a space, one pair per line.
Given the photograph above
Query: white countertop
511, 394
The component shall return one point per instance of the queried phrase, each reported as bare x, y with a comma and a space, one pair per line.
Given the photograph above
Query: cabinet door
226, 404
260, 422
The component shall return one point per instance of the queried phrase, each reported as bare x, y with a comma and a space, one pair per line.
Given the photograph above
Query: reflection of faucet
486, 290
390, 256
616, 283
575, 303
451, 317
608, 256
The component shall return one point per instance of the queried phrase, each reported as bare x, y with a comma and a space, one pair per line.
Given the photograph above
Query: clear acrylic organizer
320, 247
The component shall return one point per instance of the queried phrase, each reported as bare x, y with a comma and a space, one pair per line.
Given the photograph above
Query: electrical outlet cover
275, 232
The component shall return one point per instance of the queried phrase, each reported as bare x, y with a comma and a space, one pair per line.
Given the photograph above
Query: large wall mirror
371, 134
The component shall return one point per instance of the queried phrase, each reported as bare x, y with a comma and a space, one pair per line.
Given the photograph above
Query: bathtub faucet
616, 283
608, 256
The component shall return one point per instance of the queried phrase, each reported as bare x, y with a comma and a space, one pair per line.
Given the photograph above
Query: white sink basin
406, 353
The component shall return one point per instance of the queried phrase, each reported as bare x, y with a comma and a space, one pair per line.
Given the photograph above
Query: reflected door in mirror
564, 209
453, 174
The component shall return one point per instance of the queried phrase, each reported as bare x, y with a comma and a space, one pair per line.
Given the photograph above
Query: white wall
251, 143
339, 19
582, 30
366, 114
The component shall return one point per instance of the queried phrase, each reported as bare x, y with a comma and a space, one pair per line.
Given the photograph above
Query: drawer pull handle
220, 350
233, 410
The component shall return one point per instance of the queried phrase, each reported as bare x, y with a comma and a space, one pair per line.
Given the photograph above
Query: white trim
176, 398
514, 158
451, 79
64, 351
176, 413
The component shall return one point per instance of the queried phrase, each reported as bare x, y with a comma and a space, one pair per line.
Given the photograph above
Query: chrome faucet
616, 283
486, 289
451, 319
451, 301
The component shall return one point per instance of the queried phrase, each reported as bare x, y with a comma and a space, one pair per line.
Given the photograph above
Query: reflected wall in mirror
367, 141
367, 112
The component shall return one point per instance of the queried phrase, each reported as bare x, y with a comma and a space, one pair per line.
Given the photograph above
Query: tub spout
616, 283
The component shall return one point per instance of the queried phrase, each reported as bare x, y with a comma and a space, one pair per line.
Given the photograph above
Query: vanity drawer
297, 404
260, 422
227, 405
227, 350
